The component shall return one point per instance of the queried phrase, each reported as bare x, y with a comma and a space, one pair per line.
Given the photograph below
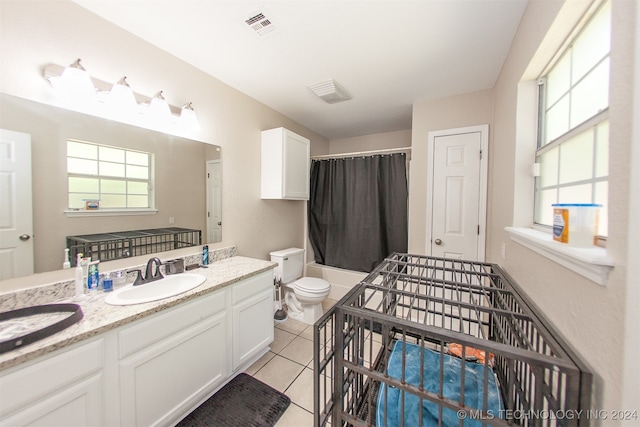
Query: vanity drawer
162, 325
49, 376
252, 286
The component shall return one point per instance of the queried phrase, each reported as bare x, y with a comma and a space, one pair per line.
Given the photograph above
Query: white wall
631, 380
591, 317
37, 34
468, 109
377, 141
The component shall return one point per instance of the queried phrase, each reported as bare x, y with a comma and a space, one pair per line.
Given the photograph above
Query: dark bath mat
244, 401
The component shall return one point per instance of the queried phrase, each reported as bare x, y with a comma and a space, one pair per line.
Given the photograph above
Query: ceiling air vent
330, 91
260, 23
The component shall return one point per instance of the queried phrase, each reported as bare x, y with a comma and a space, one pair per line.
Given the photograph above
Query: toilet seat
312, 285
304, 298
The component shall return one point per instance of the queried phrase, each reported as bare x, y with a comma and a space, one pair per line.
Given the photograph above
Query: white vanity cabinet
152, 371
172, 360
252, 322
284, 165
64, 389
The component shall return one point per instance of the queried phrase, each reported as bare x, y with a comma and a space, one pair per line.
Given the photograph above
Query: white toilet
304, 295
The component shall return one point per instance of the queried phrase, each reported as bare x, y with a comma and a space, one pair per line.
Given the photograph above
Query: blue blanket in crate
473, 389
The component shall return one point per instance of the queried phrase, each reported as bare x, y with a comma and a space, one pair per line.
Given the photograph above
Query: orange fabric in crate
456, 350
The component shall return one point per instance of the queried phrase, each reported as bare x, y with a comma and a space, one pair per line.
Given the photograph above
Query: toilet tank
290, 262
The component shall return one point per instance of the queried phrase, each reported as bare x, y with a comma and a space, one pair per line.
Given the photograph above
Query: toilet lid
312, 284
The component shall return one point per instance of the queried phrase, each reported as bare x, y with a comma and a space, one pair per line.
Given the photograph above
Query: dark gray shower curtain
358, 210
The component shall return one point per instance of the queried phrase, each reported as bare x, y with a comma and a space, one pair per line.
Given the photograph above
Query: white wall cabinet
284, 165
150, 372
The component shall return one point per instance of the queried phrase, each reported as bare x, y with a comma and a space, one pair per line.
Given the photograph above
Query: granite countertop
100, 317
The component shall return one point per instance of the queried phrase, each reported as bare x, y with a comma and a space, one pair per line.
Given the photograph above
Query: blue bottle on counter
93, 276
205, 255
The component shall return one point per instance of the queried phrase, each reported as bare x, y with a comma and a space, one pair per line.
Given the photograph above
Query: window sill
109, 212
592, 263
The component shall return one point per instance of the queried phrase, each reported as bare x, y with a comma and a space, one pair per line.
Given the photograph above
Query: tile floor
288, 368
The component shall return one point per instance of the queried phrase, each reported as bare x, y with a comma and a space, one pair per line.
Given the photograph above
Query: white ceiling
388, 54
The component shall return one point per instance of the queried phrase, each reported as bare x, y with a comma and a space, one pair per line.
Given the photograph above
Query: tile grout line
306, 410
279, 353
291, 360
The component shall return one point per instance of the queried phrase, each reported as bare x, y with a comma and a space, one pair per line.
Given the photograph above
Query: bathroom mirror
184, 196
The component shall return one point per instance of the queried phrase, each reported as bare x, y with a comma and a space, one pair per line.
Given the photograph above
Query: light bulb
188, 118
158, 108
75, 84
121, 99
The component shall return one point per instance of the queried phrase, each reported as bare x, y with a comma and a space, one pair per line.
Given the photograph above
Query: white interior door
16, 217
214, 201
457, 201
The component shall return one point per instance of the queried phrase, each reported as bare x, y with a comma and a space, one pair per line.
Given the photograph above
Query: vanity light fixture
74, 83
77, 90
188, 117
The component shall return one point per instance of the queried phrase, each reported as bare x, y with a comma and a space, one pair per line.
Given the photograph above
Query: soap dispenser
79, 282
66, 264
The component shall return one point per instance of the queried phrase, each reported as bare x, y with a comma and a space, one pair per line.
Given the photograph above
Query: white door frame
482, 200
210, 200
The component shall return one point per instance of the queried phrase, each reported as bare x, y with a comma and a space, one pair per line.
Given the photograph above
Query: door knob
438, 242
25, 237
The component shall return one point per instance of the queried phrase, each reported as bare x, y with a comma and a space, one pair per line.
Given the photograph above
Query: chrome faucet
150, 274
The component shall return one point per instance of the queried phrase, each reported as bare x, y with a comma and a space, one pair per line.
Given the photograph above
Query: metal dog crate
436, 304
124, 244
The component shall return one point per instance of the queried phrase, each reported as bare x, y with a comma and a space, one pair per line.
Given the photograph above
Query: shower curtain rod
362, 153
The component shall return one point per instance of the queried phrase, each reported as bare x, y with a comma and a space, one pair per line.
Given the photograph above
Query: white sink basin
164, 288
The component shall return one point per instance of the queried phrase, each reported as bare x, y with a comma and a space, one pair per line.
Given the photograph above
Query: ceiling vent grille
330, 91
260, 24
